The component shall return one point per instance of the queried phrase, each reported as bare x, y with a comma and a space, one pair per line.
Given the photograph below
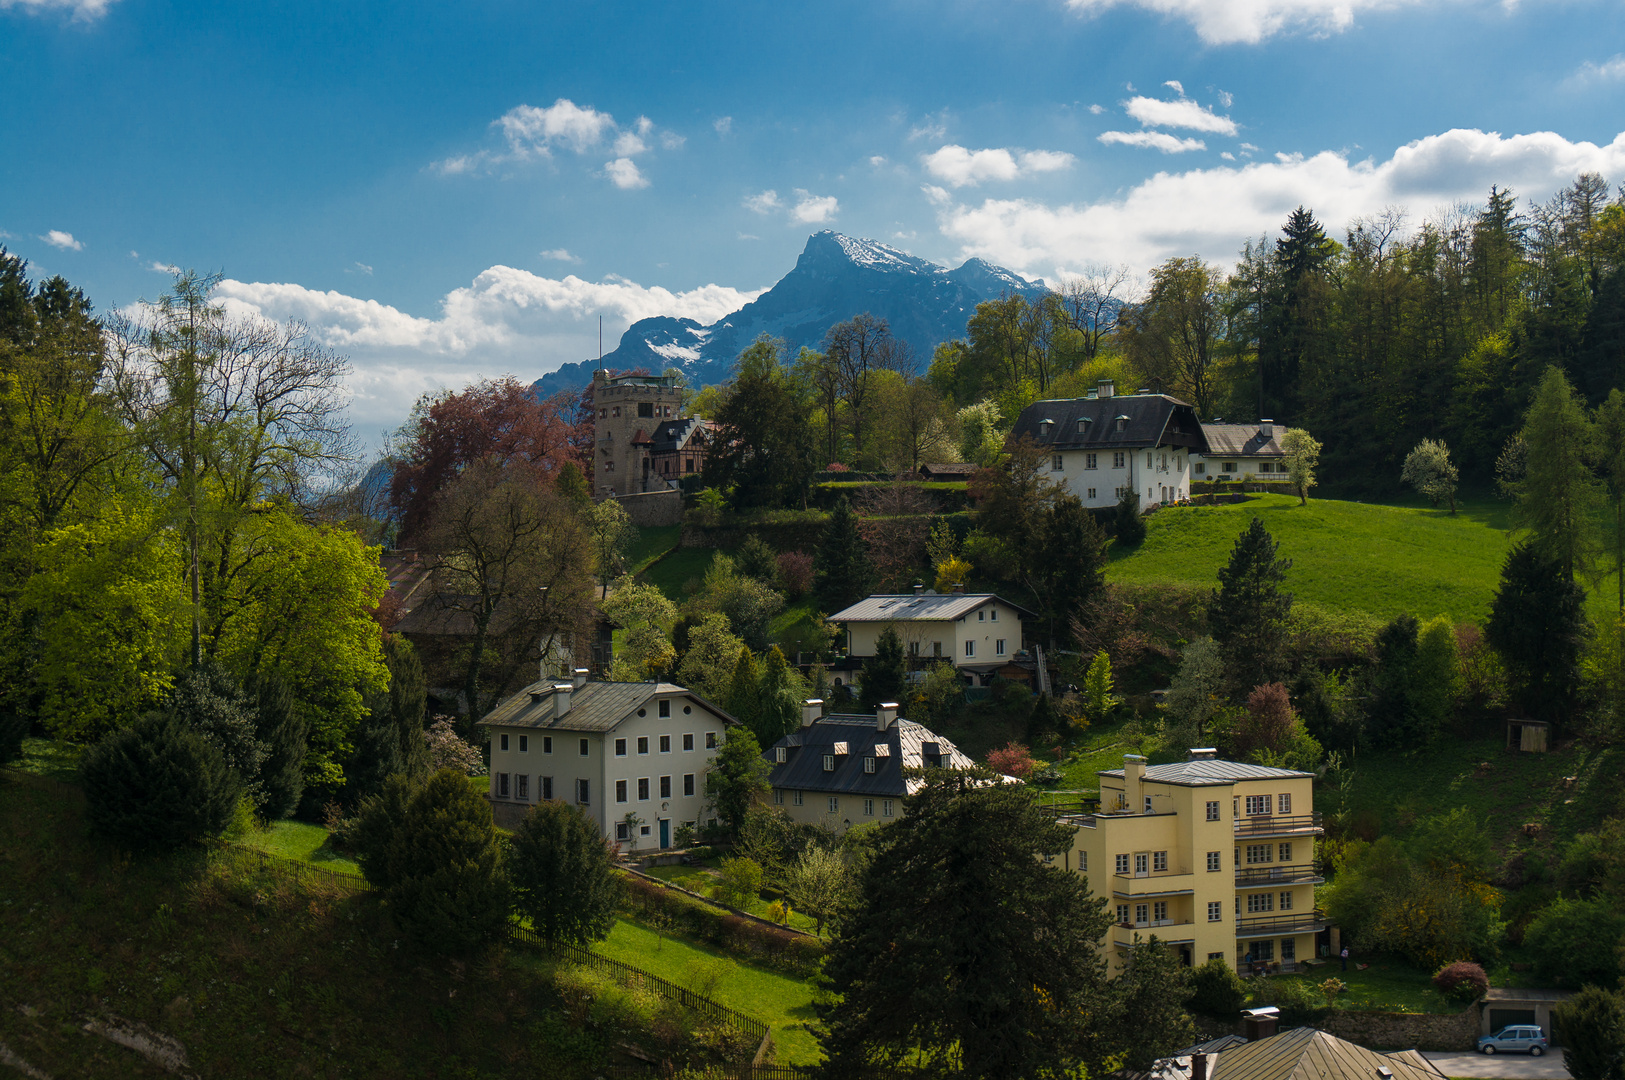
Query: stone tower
629, 409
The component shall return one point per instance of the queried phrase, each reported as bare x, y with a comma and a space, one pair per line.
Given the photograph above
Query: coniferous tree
763, 452
1043, 721
1129, 525
1247, 613
408, 702
1071, 569
563, 875
209, 699
1150, 995
842, 572
282, 731
1559, 497
736, 777
1538, 625
1610, 459
744, 691
377, 754
778, 705
885, 673
157, 785
1592, 1027
1391, 720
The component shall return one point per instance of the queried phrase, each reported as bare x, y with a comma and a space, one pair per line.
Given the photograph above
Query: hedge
795, 953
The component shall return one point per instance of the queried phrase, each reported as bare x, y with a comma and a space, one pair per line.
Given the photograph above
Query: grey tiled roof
1210, 771
901, 746
673, 435
1148, 420
899, 607
1243, 440
596, 706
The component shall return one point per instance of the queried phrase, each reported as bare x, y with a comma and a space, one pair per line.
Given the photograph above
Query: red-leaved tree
1014, 760
1269, 723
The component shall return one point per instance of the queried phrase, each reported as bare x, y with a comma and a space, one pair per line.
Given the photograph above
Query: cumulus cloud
624, 174
531, 132
560, 255
763, 203
960, 167
1184, 113
1212, 211
507, 320
1153, 140
813, 209
82, 10
1610, 70
1096, 110
62, 240
932, 128
1228, 22
1226, 99
1177, 86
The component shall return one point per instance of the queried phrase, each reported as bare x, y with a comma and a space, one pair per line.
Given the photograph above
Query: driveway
1549, 1066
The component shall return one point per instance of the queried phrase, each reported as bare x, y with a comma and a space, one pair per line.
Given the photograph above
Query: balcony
1167, 931
1254, 876
1161, 883
1299, 922
1279, 825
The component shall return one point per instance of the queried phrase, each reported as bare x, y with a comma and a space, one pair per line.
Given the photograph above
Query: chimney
1091, 395
812, 710
1266, 428
1201, 753
959, 586
886, 715
919, 590
1198, 1066
579, 678
1107, 388
561, 699
1133, 773
1260, 1023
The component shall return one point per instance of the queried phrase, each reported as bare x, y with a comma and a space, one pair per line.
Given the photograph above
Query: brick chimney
1260, 1023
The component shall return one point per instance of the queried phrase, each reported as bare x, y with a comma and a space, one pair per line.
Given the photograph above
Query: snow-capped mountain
835, 278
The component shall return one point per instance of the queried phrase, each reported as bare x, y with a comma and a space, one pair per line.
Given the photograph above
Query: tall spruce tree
1538, 625
1247, 613
1071, 569
283, 732
1559, 498
1391, 716
885, 674
778, 706
744, 691
158, 785
1592, 1027
209, 700
842, 572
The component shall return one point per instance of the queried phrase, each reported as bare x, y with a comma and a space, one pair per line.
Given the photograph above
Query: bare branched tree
1092, 299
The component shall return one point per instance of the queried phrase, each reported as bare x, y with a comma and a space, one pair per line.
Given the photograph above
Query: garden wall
1404, 1031
652, 509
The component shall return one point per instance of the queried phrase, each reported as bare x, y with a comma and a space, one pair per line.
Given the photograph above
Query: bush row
662, 907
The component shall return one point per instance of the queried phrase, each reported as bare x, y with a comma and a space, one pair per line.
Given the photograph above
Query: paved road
1549, 1066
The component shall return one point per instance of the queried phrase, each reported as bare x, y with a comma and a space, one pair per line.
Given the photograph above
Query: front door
665, 832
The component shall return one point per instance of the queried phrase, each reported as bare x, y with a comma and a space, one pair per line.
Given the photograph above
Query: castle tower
629, 409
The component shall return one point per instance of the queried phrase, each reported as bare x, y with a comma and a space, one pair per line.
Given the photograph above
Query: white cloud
936, 195
63, 240
1227, 155
813, 209
507, 320
359, 268
530, 129
1152, 112
932, 128
1226, 99
1212, 211
1610, 70
878, 160
764, 203
1227, 22
1152, 140
623, 173
1096, 110
670, 140
960, 167
1177, 86
723, 124
163, 268
83, 10
560, 255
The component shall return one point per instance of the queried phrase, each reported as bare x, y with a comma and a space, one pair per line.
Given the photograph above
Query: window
710, 740
665, 713
1117, 460
914, 648
1122, 913
1089, 461
615, 411
1215, 911
643, 830
1257, 804
504, 740
1199, 469
547, 744
1264, 951
778, 797
688, 783
1092, 493
1139, 863
834, 805
1285, 852
1122, 864
1260, 901
1055, 463
547, 787
646, 408
584, 792
993, 614
622, 831
1215, 861
868, 764
970, 648
1215, 956
885, 808
1148, 805
998, 647
522, 787
1083, 861
1283, 804
1228, 466
936, 648
1266, 466
524, 744
502, 785
1213, 811
665, 744
1289, 949
688, 741
1159, 911
795, 798
1148, 461
981, 616
1286, 901
620, 747
620, 791
1259, 853
1159, 861
1142, 913
869, 807
586, 748
665, 787
781, 754
829, 762
643, 744
643, 789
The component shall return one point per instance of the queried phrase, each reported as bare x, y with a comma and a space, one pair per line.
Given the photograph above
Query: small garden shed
1527, 735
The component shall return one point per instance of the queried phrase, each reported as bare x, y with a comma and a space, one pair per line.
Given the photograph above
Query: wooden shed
1527, 735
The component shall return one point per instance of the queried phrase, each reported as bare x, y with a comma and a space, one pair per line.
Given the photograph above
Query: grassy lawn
1387, 985
301, 842
653, 542
50, 759
699, 879
676, 570
1382, 560
782, 1001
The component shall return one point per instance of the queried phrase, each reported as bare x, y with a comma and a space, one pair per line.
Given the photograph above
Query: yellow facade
1215, 858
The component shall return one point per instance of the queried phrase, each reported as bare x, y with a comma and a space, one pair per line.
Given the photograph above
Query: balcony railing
1163, 882
1278, 825
1297, 922
1279, 875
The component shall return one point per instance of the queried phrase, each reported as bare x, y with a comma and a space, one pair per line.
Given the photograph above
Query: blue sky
450, 191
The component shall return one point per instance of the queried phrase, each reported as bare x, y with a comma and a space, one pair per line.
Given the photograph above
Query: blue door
665, 832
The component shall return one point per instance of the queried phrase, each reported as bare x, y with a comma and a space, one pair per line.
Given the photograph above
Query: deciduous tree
1430, 471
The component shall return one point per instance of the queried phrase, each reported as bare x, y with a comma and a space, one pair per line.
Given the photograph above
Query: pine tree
778, 709
1072, 567
1391, 717
1538, 625
1129, 526
1247, 613
1559, 498
563, 875
283, 731
211, 701
885, 673
1098, 698
408, 702
1150, 995
157, 785
745, 690
842, 571
736, 777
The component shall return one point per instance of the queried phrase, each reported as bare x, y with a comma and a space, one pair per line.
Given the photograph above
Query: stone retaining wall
1404, 1031
651, 509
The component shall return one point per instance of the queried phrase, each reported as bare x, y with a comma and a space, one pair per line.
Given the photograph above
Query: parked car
1514, 1039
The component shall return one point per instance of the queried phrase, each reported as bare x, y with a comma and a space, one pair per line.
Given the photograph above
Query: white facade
990, 634
1162, 475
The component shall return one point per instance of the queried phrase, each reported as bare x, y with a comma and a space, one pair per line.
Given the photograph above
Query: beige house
978, 633
838, 771
1238, 450
632, 756
1216, 858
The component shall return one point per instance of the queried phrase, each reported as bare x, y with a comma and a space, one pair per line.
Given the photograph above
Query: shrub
447, 750
1301, 1002
796, 573
1576, 942
158, 784
1130, 526
783, 949
563, 876
1462, 981
1216, 990
1014, 760
741, 881
757, 559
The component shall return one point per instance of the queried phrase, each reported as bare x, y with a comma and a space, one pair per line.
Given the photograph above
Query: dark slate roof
930, 606
1243, 440
1148, 420
1210, 771
596, 706
902, 746
673, 435
452, 615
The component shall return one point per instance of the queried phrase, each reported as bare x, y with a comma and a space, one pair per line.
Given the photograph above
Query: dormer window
829, 762
1083, 426
781, 755
1046, 428
1122, 422
868, 764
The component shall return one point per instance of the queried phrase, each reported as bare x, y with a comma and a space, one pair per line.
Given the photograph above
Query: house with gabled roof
1105, 443
979, 633
1238, 450
1299, 1054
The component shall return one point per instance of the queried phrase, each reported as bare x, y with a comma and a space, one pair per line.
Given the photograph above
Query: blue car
1514, 1039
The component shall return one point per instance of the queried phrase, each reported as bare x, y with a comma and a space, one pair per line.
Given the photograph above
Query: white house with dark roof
1237, 450
1106, 443
978, 633
632, 756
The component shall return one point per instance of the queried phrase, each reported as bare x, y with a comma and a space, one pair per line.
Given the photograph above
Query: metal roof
901, 746
1148, 420
1308, 1054
594, 706
1243, 440
926, 606
1210, 771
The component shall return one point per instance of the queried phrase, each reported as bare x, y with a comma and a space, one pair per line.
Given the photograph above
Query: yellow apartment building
1216, 858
